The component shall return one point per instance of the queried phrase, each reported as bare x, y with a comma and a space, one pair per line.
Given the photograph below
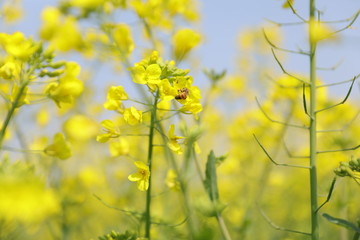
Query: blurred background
89, 195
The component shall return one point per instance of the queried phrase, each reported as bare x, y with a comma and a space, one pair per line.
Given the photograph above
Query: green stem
150, 153
11, 112
223, 227
183, 187
313, 144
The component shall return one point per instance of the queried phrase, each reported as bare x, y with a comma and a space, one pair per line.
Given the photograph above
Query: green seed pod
43, 73
55, 73
57, 65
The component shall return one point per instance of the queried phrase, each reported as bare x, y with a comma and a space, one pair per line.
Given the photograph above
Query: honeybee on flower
183, 94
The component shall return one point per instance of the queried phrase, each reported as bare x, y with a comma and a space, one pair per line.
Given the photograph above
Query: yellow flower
172, 180
88, 4
132, 116
119, 148
50, 17
287, 3
25, 197
60, 148
123, 39
68, 87
110, 131
197, 148
167, 91
80, 128
18, 46
319, 31
192, 107
63, 33
147, 75
42, 117
163, 108
184, 41
10, 70
11, 12
173, 144
141, 177
114, 97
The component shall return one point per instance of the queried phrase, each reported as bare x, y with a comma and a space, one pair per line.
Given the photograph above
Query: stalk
313, 144
11, 112
150, 153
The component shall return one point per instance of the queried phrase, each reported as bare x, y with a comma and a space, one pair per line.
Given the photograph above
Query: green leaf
210, 178
341, 222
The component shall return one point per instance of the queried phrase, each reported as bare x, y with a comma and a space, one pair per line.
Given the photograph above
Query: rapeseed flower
132, 116
173, 140
142, 176
59, 148
110, 131
114, 98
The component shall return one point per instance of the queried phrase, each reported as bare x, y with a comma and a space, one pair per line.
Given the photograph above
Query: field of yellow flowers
112, 128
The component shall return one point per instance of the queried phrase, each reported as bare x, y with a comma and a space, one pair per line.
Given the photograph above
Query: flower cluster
165, 83
171, 82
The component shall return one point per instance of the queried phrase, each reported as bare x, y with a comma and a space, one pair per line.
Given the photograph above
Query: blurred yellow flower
173, 140
162, 108
62, 32
68, 87
59, 148
80, 128
142, 176
123, 39
11, 12
42, 117
320, 31
86, 3
18, 46
91, 177
119, 148
132, 116
114, 97
183, 42
24, 196
10, 70
172, 180
111, 131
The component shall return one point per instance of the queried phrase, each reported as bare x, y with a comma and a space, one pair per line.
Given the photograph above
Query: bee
183, 94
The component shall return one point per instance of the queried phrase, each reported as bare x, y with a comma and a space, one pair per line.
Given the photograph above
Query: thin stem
281, 49
295, 12
150, 153
313, 143
283, 69
20, 150
223, 228
276, 121
273, 161
11, 111
272, 224
338, 83
343, 101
